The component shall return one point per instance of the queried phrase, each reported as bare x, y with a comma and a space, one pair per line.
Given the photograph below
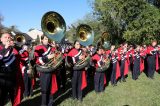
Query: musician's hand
25, 47
50, 56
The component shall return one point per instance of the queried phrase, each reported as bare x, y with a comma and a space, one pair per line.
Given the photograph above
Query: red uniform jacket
149, 51
19, 88
126, 57
97, 60
115, 59
41, 52
23, 60
74, 53
142, 54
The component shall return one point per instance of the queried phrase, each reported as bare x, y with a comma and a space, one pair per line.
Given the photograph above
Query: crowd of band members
18, 74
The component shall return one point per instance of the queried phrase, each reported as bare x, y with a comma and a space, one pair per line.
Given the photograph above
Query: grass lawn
142, 92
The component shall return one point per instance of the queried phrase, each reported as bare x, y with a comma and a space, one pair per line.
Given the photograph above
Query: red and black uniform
136, 65
61, 73
24, 66
10, 79
78, 77
152, 61
124, 66
142, 60
115, 67
48, 80
131, 52
99, 77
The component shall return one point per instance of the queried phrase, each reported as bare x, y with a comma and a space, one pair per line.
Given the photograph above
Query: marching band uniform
24, 66
124, 66
62, 70
136, 65
115, 67
142, 59
79, 76
99, 77
10, 81
152, 61
48, 81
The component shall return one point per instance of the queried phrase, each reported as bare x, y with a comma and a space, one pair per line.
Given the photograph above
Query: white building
33, 33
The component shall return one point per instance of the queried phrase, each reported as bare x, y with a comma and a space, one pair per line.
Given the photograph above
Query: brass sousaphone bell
104, 41
54, 27
85, 36
20, 38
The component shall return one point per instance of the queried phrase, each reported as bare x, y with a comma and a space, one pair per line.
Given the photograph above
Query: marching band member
142, 58
10, 79
136, 63
152, 59
48, 81
61, 77
78, 77
124, 63
26, 72
99, 77
114, 65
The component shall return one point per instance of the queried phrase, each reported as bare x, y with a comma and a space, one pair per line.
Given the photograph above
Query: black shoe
73, 98
124, 80
80, 99
120, 81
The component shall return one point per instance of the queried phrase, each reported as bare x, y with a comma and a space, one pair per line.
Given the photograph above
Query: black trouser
113, 74
6, 86
122, 69
27, 84
99, 81
45, 83
76, 84
62, 76
151, 63
136, 68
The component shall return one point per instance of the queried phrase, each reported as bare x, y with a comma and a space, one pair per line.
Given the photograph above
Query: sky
27, 14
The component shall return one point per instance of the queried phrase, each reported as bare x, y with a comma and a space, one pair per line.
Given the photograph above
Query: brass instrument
104, 42
85, 36
54, 62
54, 27
105, 65
20, 39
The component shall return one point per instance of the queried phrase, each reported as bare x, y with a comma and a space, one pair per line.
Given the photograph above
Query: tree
90, 20
128, 20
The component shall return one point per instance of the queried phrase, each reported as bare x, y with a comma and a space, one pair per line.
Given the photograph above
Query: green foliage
135, 21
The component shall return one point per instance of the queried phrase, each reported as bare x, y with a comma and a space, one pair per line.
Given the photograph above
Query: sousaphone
54, 27
85, 35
